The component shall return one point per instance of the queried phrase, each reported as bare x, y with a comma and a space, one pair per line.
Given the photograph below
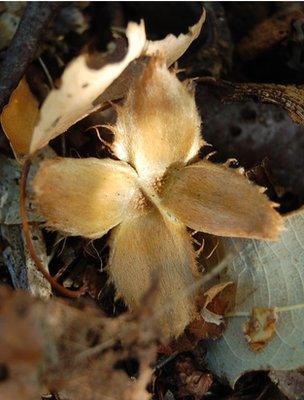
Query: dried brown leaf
193, 382
52, 346
19, 118
261, 327
269, 32
289, 97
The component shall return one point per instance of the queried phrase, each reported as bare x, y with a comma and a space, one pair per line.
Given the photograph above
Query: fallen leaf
84, 89
171, 48
267, 275
261, 327
190, 380
23, 271
55, 347
289, 97
80, 86
269, 32
291, 383
19, 118
211, 324
212, 292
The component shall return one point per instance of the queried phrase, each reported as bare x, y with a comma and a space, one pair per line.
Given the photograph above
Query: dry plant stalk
151, 195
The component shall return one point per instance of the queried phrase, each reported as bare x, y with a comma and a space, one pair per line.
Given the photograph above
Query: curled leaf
212, 292
172, 47
80, 86
289, 97
83, 88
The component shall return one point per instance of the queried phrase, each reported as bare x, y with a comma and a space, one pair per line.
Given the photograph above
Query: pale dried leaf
158, 124
80, 86
19, 118
150, 246
96, 194
215, 199
172, 47
266, 275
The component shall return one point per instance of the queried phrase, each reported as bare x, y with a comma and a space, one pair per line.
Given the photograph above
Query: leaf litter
216, 309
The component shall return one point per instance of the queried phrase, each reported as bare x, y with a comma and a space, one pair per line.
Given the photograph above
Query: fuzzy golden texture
159, 124
215, 199
146, 246
153, 199
85, 197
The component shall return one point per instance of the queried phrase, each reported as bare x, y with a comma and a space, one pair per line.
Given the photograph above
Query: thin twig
24, 45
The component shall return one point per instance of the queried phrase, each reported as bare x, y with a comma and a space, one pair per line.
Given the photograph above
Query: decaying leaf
289, 97
266, 275
211, 293
80, 86
209, 323
209, 316
53, 347
261, 327
269, 32
291, 383
171, 48
20, 265
83, 88
19, 118
193, 382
